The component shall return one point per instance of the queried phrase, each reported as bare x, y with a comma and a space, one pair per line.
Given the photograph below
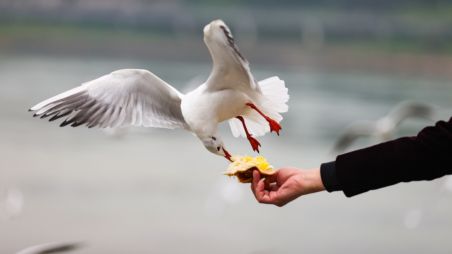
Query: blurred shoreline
130, 44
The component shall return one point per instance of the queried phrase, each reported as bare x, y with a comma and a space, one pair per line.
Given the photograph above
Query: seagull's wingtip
34, 108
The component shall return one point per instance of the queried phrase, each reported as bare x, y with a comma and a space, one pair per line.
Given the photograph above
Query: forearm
424, 157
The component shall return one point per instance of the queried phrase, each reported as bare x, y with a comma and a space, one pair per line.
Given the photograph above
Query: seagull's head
215, 145
218, 37
217, 33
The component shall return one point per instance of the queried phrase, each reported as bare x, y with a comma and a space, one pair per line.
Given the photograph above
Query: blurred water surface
160, 191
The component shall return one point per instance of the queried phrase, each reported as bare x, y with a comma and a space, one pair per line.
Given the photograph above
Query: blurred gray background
160, 191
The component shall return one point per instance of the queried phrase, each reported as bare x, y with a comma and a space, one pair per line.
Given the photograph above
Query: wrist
313, 181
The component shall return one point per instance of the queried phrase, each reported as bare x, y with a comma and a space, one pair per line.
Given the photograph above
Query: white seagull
135, 97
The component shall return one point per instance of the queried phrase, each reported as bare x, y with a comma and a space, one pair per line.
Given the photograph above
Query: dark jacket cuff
329, 177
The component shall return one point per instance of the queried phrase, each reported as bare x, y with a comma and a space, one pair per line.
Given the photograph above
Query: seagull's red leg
254, 143
274, 125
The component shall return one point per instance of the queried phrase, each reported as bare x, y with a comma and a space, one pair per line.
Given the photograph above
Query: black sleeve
424, 157
329, 176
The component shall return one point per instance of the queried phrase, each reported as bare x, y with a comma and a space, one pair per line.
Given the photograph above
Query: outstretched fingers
256, 178
263, 195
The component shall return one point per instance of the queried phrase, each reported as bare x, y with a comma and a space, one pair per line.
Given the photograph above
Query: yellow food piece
242, 167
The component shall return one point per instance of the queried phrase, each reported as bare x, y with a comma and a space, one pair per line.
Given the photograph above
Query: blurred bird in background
384, 128
54, 247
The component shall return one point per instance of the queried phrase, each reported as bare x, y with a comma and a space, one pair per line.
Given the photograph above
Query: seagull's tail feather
276, 96
273, 102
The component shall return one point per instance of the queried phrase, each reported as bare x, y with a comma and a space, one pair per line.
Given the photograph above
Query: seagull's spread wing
128, 97
230, 68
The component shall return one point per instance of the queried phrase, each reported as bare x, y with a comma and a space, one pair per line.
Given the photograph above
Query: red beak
227, 155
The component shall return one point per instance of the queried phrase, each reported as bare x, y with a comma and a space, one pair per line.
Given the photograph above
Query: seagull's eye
214, 138
218, 148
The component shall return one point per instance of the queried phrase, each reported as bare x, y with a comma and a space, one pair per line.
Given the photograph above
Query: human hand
285, 185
